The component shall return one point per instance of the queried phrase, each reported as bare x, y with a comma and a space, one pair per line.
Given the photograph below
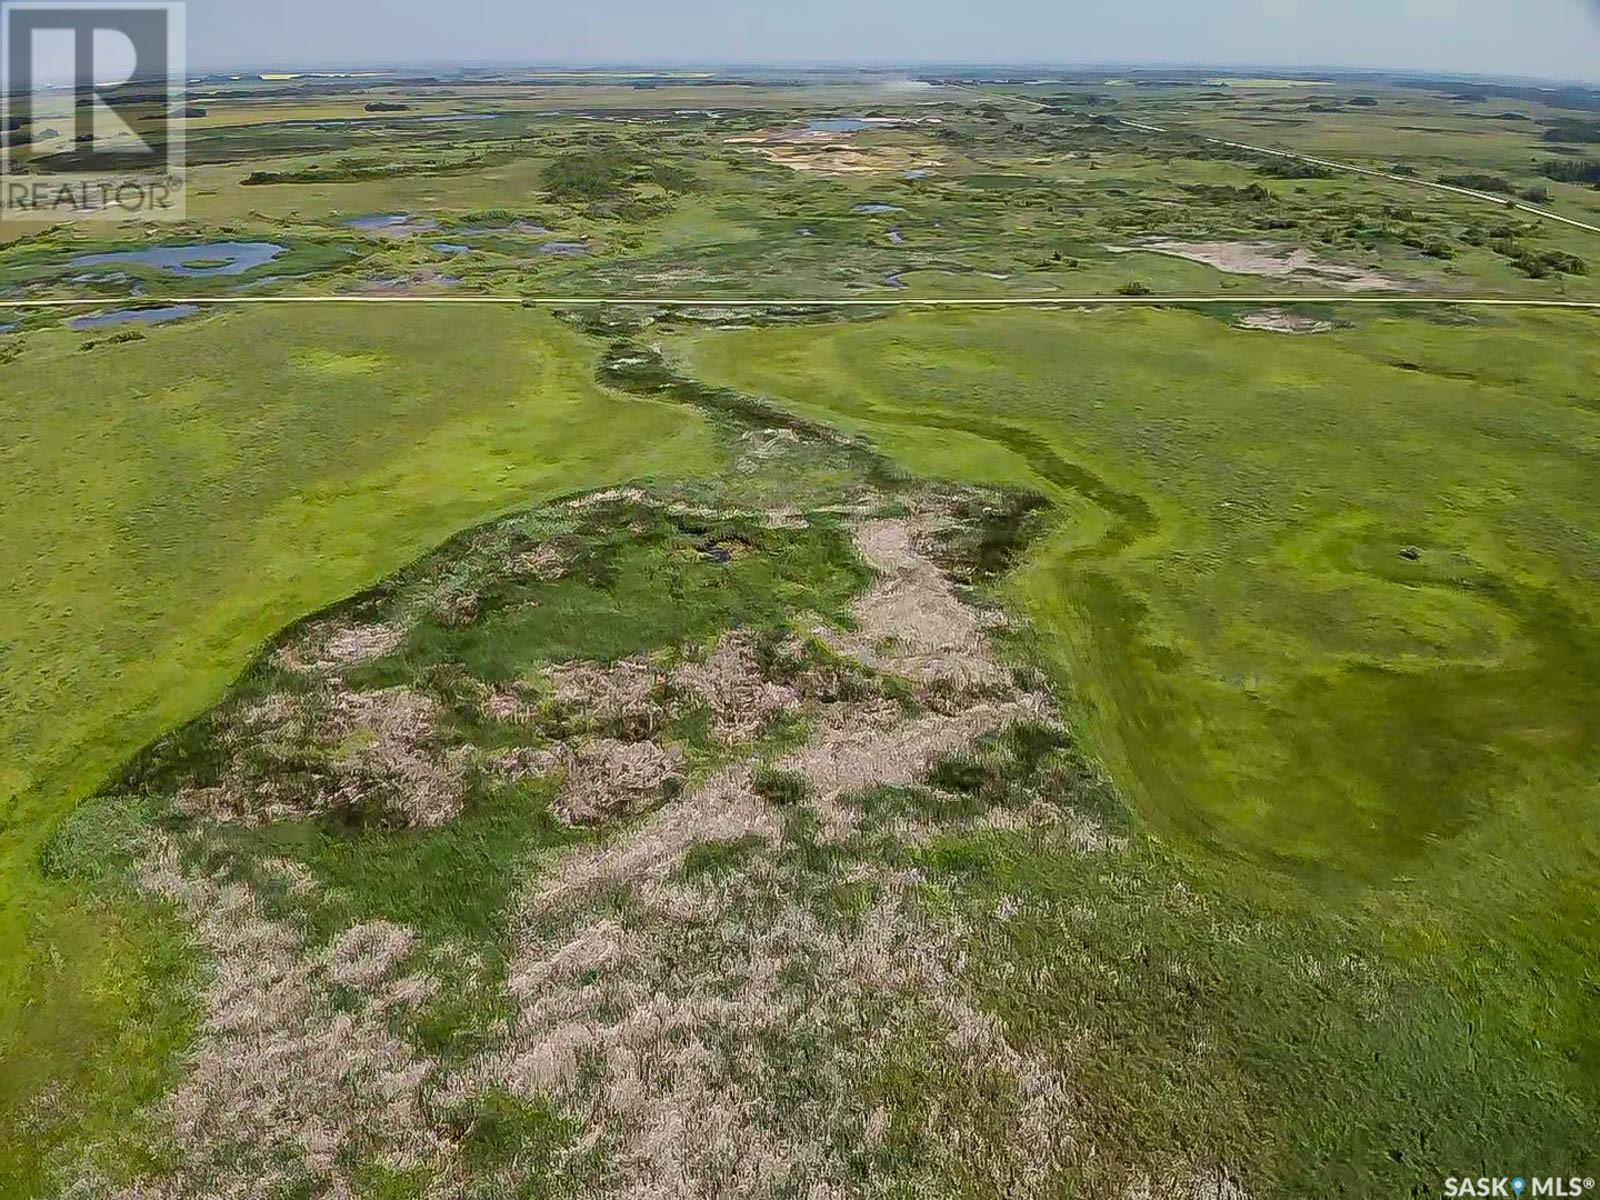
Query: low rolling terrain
764, 750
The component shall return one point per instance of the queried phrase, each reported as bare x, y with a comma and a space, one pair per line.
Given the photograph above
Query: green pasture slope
1326, 607
168, 505
1323, 606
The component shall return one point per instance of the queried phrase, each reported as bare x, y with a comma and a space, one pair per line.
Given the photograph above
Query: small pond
840, 125
200, 260
396, 224
134, 316
879, 209
527, 227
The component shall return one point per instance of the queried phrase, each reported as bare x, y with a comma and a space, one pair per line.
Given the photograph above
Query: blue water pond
200, 260
839, 125
397, 223
134, 316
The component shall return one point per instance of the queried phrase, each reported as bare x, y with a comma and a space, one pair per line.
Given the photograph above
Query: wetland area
728, 746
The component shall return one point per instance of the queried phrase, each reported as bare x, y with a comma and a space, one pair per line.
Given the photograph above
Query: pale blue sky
1545, 38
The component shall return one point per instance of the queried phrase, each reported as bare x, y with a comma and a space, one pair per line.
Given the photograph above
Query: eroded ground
702, 992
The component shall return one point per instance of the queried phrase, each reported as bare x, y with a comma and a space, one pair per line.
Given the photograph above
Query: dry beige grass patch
624, 696
374, 752
330, 648
911, 623
606, 780
296, 1065
729, 683
1276, 320
711, 1029
1270, 259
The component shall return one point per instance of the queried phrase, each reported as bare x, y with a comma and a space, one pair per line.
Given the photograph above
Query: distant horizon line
1266, 70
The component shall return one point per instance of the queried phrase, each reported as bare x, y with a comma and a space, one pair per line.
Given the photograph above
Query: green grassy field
1325, 605
1319, 604
1322, 608
174, 501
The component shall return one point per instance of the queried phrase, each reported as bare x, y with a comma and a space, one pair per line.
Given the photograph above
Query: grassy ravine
1310, 1024
1360, 957
1326, 607
172, 502
1187, 1017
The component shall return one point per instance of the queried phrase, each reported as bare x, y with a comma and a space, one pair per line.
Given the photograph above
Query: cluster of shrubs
1480, 182
1432, 247
1579, 170
609, 173
1504, 239
1541, 264
1228, 194
1293, 168
355, 170
345, 170
1573, 130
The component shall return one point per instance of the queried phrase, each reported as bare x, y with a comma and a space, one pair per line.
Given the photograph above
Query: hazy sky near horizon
1557, 39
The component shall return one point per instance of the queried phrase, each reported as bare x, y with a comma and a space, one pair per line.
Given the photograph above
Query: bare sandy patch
824, 153
1269, 259
911, 621
1276, 320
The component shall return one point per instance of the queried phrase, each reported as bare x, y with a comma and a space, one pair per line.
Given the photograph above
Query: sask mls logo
93, 97
1520, 1188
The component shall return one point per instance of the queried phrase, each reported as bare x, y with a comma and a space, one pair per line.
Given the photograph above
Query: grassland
1296, 900
1323, 608
174, 501
1014, 192
1398, 546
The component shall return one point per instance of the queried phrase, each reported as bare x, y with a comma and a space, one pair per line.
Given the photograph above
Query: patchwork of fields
519, 750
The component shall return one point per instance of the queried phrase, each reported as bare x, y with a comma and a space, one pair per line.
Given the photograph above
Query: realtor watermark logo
92, 109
